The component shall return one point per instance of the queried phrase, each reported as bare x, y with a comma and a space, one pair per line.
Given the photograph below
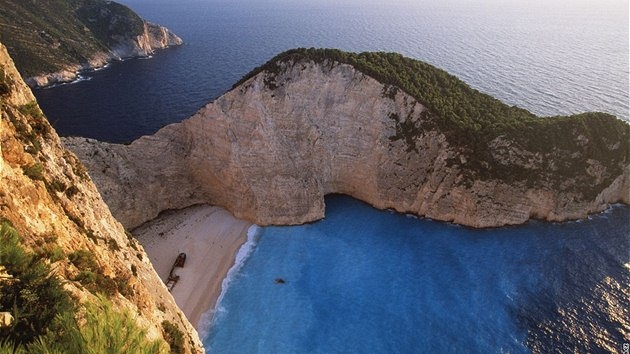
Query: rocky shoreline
154, 37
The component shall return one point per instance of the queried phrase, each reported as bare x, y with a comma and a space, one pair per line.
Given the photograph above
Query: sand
210, 236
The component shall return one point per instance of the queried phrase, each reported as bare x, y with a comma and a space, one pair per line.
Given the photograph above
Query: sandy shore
210, 237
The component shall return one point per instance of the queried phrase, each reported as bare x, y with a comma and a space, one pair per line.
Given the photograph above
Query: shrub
174, 337
56, 254
58, 185
91, 275
34, 295
34, 171
83, 259
31, 109
104, 330
51, 251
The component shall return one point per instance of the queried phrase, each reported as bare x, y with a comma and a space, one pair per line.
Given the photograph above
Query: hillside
472, 121
63, 257
51, 40
391, 131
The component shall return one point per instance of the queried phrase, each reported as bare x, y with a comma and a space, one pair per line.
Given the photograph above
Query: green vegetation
92, 277
471, 119
47, 247
90, 274
30, 125
105, 331
34, 171
174, 337
32, 294
46, 318
31, 109
46, 36
108, 19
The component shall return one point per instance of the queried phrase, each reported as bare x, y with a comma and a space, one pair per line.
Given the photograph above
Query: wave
80, 78
102, 67
208, 319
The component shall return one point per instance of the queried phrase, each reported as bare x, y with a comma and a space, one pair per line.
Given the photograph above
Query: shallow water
369, 281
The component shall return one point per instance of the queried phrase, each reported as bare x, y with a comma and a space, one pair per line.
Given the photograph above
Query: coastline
77, 73
211, 237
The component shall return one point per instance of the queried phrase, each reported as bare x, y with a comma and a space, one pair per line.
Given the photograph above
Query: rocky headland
49, 200
391, 131
77, 35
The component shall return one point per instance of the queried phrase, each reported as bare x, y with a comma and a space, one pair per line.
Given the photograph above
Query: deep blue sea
551, 57
368, 281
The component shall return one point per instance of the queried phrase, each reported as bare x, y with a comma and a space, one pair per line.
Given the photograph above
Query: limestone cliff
299, 128
46, 194
77, 35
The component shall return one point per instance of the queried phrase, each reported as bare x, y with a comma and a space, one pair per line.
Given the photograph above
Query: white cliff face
152, 38
272, 148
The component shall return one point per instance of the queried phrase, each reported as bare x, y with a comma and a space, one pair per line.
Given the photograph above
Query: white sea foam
102, 67
80, 78
207, 319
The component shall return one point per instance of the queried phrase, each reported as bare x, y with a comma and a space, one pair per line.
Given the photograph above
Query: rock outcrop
76, 36
152, 38
46, 194
270, 149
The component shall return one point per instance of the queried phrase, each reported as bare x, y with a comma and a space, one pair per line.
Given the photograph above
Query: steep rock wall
273, 147
47, 195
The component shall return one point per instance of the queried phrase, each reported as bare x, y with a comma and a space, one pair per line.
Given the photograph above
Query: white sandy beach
210, 236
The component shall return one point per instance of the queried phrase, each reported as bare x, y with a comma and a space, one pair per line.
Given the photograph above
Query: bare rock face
273, 147
47, 195
153, 37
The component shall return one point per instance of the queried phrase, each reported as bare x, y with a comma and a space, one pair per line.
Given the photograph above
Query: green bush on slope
46, 319
32, 294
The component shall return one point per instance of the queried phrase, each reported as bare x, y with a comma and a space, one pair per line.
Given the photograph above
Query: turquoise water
365, 281
369, 281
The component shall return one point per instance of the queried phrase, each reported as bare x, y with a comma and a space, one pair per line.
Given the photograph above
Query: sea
368, 281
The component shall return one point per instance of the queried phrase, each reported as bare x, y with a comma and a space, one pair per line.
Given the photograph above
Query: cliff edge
391, 131
76, 35
47, 197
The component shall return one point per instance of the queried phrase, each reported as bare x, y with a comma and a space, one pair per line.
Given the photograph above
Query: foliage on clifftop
472, 120
47, 36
